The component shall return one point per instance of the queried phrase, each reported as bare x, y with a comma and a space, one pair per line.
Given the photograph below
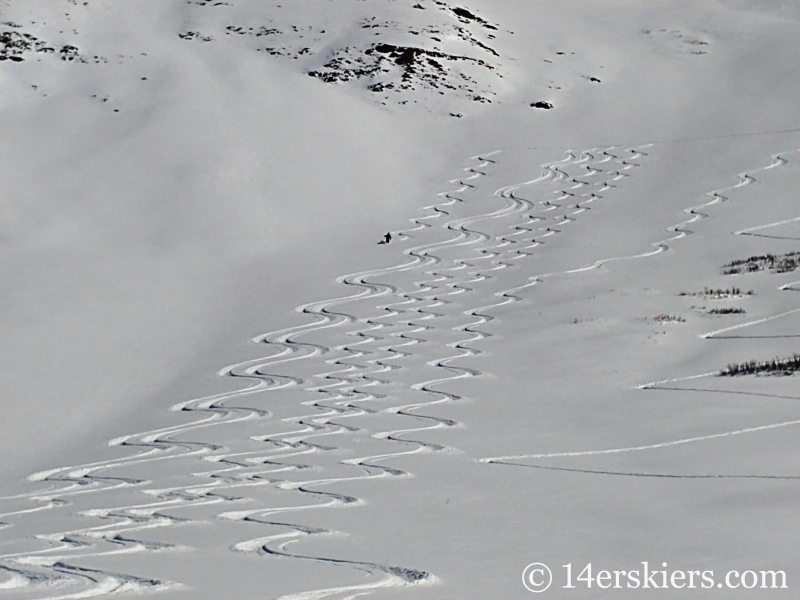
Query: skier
386, 238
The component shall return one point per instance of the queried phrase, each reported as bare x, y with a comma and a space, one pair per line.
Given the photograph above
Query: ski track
345, 381
680, 230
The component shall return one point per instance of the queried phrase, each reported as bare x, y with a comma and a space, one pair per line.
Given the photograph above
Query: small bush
719, 293
778, 263
786, 264
669, 319
776, 366
726, 311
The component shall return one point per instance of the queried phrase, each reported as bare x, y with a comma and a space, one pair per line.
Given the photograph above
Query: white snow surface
218, 384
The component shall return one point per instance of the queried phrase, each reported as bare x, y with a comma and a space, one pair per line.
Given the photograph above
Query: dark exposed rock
391, 68
403, 54
465, 14
261, 31
195, 35
68, 52
380, 86
14, 44
436, 64
419, 68
542, 104
407, 57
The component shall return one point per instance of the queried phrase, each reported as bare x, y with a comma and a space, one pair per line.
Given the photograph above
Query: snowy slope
217, 384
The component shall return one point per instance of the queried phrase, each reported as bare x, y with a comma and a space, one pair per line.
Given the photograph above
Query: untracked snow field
219, 382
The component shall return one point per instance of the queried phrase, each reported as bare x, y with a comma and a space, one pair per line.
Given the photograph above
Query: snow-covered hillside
217, 383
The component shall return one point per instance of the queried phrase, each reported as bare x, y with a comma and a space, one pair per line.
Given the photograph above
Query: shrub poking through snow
776, 366
669, 319
726, 311
719, 293
788, 262
780, 263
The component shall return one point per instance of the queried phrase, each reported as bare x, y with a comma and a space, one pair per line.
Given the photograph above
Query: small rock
464, 13
407, 57
541, 104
